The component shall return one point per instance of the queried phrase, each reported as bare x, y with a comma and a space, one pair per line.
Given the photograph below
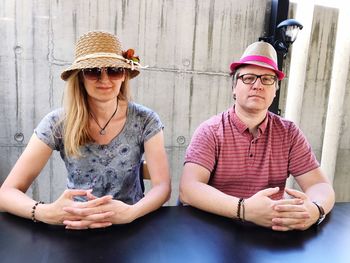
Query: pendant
103, 132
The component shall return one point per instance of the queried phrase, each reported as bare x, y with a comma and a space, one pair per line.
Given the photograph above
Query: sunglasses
95, 73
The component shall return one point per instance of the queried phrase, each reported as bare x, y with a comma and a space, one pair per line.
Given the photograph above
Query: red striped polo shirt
241, 165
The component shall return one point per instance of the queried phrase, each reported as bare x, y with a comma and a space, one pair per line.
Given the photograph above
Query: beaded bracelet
243, 211
33, 210
239, 208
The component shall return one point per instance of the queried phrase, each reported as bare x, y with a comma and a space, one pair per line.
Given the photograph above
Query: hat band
132, 63
260, 59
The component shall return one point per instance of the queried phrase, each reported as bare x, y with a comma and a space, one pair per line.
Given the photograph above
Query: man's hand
294, 216
261, 209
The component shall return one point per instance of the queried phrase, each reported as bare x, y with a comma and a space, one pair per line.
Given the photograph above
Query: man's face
255, 97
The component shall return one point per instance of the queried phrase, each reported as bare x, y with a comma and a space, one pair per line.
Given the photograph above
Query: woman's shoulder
138, 107
140, 111
54, 117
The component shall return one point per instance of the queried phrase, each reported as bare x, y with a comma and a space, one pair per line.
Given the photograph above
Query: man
238, 161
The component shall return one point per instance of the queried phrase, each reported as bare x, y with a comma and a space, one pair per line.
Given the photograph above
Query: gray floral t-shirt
111, 169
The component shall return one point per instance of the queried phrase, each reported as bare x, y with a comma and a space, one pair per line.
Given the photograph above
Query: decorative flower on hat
129, 54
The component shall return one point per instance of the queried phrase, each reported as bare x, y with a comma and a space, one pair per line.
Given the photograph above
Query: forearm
154, 199
208, 198
16, 202
322, 193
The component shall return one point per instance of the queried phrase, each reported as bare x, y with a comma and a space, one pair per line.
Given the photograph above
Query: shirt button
251, 155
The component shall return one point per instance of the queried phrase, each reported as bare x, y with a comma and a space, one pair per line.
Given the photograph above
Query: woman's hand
98, 212
65, 209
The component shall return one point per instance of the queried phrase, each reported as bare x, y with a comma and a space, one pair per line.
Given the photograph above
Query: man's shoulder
216, 122
280, 122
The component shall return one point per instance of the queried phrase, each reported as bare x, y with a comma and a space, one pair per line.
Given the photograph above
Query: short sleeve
301, 157
50, 128
152, 124
201, 149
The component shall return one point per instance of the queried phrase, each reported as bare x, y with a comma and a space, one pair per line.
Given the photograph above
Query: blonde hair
76, 129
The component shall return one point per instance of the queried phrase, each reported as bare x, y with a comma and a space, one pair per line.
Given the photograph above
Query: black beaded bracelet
239, 209
243, 211
33, 210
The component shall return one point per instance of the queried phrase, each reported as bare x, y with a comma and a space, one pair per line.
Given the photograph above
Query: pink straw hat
261, 54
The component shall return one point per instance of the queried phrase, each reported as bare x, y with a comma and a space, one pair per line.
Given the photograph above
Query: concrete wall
188, 45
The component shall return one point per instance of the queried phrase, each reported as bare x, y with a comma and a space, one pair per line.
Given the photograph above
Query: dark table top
176, 234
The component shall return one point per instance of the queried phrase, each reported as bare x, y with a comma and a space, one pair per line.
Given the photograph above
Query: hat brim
99, 63
235, 65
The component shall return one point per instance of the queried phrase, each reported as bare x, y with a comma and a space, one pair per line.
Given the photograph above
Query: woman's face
103, 84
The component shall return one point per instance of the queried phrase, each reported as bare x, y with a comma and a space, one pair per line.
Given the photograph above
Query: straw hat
261, 54
97, 49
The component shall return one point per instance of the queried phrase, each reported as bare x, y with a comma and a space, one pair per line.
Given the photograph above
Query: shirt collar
242, 127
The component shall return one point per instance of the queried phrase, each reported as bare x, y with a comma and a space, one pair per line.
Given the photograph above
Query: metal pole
279, 12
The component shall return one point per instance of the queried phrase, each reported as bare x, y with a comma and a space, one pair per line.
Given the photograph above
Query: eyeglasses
95, 73
265, 79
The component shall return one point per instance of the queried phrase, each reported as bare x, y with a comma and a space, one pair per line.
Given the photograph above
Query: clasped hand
295, 213
96, 212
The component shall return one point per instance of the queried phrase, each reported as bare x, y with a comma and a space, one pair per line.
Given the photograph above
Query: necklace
103, 129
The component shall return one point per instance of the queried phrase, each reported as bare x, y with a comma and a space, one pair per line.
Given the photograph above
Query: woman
101, 137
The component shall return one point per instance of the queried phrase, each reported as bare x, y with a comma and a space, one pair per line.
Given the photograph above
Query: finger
75, 215
269, 191
85, 224
99, 216
99, 201
93, 203
84, 212
293, 215
301, 226
290, 208
296, 193
288, 222
100, 225
76, 228
280, 228
90, 196
76, 224
294, 201
72, 218
70, 193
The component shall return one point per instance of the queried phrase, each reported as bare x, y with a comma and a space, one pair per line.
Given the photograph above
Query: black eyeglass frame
262, 80
95, 74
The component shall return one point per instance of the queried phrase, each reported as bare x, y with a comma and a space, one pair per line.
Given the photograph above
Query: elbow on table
166, 189
2, 199
184, 197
